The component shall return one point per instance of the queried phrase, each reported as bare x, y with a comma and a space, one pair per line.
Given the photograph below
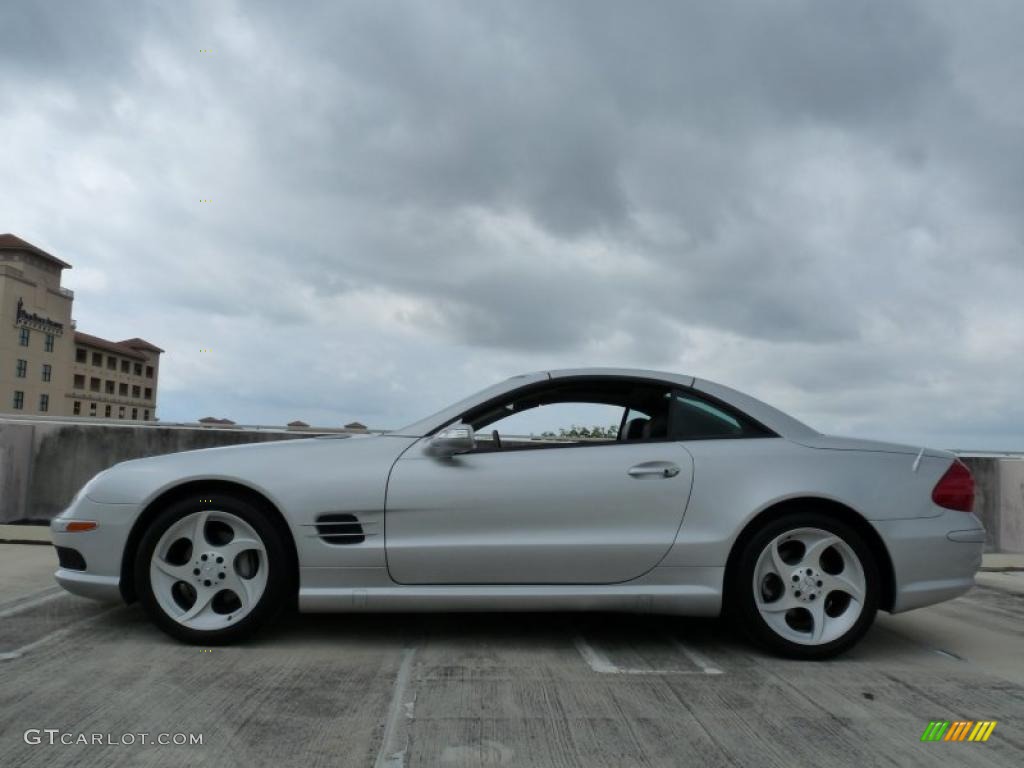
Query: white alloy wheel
809, 586
209, 570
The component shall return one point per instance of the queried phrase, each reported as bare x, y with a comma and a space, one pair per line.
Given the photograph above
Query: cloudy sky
817, 202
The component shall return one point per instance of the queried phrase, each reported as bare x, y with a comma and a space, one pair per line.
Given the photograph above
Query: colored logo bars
958, 730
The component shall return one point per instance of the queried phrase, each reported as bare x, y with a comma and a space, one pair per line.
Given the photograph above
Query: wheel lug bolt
812, 597
819, 583
796, 577
195, 571
203, 558
220, 575
220, 559
207, 583
809, 571
797, 593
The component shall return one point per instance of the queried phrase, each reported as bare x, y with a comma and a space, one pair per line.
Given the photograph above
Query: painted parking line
17, 653
395, 740
12, 607
602, 663
698, 658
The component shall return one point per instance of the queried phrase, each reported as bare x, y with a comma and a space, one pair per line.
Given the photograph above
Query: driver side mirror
457, 438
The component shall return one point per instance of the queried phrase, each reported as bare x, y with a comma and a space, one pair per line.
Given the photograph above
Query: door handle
654, 469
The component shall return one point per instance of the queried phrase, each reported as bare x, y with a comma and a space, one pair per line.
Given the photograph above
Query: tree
584, 433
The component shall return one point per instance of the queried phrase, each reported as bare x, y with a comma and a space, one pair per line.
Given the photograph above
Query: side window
579, 412
570, 422
695, 419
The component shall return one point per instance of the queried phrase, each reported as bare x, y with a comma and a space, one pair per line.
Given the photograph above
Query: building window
79, 381
149, 371
44, 403
149, 393
110, 386
145, 415
136, 391
81, 356
49, 342
94, 384
92, 409
120, 412
23, 337
138, 369
125, 366
111, 363
22, 369
76, 409
47, 371
19, 399
97, 359
122, 389
135, 414
106, 411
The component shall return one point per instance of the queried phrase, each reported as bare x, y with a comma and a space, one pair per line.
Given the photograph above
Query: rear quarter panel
735, 480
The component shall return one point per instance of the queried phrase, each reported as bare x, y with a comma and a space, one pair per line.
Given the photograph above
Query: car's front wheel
211, 570
806, 586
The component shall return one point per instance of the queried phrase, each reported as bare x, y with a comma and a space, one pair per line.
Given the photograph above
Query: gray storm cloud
817, 202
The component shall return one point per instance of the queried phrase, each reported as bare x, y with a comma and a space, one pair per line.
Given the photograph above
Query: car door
596, 513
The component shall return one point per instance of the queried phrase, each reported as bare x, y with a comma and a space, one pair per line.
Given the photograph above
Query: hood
218, 451
256, 465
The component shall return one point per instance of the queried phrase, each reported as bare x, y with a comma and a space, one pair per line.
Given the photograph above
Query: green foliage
585, 433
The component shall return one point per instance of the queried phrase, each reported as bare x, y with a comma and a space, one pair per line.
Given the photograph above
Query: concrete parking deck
522, 690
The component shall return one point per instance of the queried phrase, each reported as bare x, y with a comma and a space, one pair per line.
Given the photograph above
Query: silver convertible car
691, 498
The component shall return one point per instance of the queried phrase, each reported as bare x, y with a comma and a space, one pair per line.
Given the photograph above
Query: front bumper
102, 548
933, 558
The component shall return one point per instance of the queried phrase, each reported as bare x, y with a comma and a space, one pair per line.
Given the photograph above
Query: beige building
46, 366
114, 379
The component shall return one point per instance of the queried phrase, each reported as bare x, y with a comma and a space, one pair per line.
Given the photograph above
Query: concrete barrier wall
15, 461
999, 500
42, 465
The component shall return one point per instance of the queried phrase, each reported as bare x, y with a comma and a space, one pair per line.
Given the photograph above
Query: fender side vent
339, 528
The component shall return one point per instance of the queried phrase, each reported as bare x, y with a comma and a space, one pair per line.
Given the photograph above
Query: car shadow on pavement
715, 638
522, 632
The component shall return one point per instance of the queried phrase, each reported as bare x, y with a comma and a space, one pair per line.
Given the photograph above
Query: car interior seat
635, 428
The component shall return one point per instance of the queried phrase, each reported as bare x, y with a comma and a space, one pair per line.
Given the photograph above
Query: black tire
278, 596
743, 610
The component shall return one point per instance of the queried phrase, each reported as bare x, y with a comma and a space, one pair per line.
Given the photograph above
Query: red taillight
956, 488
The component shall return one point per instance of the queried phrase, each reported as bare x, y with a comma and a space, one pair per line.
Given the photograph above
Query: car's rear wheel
805, 586
212, 570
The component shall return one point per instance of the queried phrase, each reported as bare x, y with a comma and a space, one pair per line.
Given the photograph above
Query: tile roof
9, 242
88, 340
137, 343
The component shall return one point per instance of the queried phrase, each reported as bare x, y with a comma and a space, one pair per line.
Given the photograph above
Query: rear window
693, 418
